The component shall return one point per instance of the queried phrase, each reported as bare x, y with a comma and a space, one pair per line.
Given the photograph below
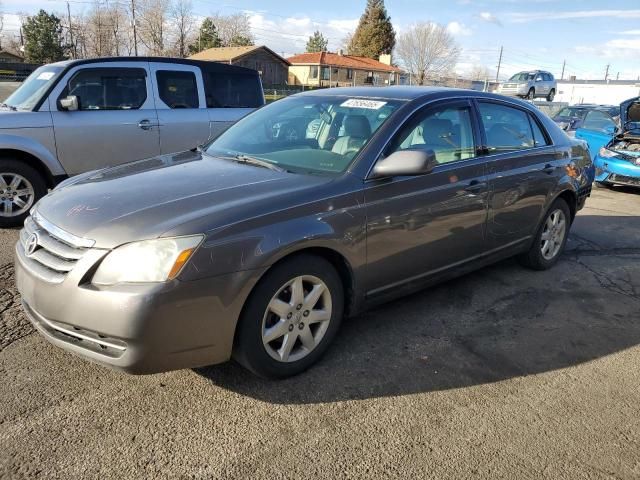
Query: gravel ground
504, 373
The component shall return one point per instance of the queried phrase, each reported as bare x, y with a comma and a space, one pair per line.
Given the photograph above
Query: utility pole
618, 76
499, 64
606, 73
135, 33
73, 45
564, 64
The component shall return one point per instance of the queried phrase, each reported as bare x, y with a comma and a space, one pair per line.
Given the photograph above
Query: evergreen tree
375, 35
317, 43
43, 40
240, 41
207, 37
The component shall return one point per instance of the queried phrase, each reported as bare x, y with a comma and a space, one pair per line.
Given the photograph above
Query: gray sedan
313, 208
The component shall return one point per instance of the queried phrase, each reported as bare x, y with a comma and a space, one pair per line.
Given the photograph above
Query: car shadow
497, 323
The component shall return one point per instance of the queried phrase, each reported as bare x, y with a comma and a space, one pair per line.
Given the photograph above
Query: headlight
606, 153
147, 261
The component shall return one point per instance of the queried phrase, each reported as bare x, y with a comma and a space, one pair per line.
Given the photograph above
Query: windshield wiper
10, 107
257, 162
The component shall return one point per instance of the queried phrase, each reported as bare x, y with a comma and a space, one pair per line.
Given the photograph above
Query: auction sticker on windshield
361, 103
46, 76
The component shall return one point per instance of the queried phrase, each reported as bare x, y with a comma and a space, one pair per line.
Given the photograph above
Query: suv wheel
290, 318
531, 94
21, 186
550, 239
551, 95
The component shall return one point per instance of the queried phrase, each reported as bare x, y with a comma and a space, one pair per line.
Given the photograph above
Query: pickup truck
79, 115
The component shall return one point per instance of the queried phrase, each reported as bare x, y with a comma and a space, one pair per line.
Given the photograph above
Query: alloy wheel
296, 318
16, 194
553, 234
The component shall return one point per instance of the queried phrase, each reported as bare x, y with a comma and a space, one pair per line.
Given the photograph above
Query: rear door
523, 169
116, 121
597, 130
180, 103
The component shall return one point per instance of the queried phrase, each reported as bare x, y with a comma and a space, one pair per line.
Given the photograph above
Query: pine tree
207, 37
375, 35
43, 38
240, 41
317, 43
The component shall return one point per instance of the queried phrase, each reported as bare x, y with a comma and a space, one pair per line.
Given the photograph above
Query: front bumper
616, 171
137, 328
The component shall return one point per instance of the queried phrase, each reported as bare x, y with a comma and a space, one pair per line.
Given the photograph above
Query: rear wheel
551, 95
21, 186
550, 239
531, 94
290, 318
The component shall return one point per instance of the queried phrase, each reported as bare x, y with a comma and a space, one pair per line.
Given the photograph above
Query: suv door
598, 128
116, 118
180, 103
420, 225
523, 169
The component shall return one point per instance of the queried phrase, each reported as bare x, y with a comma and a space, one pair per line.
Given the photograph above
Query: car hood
630, 112
179, 194
12, 119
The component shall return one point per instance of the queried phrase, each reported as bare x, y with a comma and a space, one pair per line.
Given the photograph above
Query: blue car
615, 149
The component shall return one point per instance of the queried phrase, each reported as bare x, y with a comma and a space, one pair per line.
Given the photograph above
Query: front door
116, 121
420, 225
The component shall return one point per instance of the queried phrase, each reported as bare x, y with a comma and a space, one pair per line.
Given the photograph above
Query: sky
586, 34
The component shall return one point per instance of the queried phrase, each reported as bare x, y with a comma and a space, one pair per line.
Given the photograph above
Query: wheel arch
31, 160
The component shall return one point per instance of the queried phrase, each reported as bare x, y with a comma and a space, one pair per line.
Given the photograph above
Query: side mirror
538, 79
69, 103
405, 163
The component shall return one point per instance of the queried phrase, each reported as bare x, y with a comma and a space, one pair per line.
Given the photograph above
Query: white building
611, 92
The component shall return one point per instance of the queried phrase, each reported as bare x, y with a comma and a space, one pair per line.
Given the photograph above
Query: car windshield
572, 112
306, 134
30, 92
521, 77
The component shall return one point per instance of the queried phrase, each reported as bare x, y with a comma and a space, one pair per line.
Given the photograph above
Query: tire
15, 208
535, 258
551, 95
531, 94
268, 358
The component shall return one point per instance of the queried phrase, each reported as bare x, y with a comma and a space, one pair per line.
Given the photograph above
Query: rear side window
539, 138
599, 121
108, 88
178, 89
507, 129
224, 90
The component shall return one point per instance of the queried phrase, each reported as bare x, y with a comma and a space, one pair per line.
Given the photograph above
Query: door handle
146, 124
549, 169
475, 186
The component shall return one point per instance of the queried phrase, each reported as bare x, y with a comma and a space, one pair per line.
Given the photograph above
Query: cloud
458, 29
518, 17
630, 32
625, 43
489, 17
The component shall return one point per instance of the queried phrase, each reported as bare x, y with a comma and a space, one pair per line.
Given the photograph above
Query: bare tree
152, 25
233, 29
183, 21
479, 72
427, 50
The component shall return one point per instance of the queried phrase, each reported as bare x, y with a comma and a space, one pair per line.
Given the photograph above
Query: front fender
39, 143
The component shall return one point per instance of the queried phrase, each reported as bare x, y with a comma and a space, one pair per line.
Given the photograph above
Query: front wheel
551, 95
290, 318
21, 186
531, 94
550, 239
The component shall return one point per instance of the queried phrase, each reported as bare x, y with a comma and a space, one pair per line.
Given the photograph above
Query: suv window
597, 120
108, 88
224, 90
507, 128
447, 131
178, 89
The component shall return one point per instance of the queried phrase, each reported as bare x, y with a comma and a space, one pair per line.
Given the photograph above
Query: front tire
531, 94
551, 96
550, 239
21, 186
290, 318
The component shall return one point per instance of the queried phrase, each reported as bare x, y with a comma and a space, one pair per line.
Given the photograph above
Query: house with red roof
326, 69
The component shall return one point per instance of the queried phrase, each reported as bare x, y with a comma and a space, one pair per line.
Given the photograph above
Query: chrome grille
56, 252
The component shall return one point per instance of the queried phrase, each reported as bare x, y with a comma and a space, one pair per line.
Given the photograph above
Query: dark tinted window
178, 89
507, 128
108, 88
232, 90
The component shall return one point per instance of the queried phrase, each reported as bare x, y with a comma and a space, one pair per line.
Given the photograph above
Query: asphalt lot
504, 373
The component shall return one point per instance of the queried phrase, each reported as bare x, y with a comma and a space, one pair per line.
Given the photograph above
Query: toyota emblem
31, 245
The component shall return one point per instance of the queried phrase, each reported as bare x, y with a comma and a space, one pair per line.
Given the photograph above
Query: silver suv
74, 116
530, 85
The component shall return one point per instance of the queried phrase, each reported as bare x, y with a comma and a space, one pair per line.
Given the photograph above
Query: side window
539, 138
599, 121
108, 88
447, 131
313, 71
507, 129
178, 89
223, 90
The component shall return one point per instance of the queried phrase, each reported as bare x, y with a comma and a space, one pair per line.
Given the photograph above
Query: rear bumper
618, 172
139, 328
